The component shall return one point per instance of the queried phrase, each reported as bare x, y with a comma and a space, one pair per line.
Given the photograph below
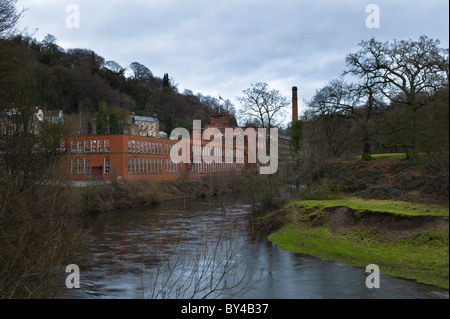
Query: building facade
147, 126
125, 157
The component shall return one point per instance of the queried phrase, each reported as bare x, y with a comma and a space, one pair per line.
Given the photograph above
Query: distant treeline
393, 97
75, 80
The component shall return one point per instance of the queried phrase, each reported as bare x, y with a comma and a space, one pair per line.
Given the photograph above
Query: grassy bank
97, 197
388, 206
403, 239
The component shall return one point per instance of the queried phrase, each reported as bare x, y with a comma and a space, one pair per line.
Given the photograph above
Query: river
208, 248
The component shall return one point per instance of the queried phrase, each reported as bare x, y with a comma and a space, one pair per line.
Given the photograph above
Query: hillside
391, 212
388, 177
78, 80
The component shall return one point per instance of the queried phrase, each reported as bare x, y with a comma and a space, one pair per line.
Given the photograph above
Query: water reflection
126, 248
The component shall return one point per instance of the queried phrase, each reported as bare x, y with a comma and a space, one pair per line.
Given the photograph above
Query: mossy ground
423, 256
388, 206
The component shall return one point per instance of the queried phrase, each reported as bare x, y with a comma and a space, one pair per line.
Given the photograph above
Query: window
142, 147
80, 166
146, 148
142, 166
86, 166
145, 166
137, 147
129, 165
133, 142
106, 146
129, 146
100, 146
73, 147
134, 165
138, 167
80, 147
107, 163
93, 146
167, 165
160, 165
86, 146
73, 166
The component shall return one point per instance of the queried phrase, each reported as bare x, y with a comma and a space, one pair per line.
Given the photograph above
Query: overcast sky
222, 46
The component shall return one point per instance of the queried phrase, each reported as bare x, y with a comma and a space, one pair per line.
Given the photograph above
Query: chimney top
294, 105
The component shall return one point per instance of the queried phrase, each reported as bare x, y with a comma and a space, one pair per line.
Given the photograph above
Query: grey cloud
216, 47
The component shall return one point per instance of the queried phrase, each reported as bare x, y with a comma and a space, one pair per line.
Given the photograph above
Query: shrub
435, 171
382, 192
321, 191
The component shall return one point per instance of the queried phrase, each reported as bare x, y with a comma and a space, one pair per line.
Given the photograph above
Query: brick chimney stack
294, 105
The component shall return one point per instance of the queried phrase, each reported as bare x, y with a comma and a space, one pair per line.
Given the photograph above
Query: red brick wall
131, 158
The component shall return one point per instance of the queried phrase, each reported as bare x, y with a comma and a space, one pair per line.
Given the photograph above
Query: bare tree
115, 67
213, 268
410, 73
9, 16
38, 226
140, 72
329, 106
262, 104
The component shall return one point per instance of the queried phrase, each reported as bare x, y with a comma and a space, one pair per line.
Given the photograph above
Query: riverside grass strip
423, 257
386, 206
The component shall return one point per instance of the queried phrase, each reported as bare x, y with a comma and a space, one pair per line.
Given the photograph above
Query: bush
144, 193
367, 157
40, 229
382, 192
321, 191
435, 172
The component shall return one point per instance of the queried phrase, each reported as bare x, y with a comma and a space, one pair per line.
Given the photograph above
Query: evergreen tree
101, 122
166, 81
113, 124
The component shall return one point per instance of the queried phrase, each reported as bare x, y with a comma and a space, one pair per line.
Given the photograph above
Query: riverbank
404, 239
99, 197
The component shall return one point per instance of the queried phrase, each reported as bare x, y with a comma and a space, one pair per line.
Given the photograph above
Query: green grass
388, 206
423, 257
393, 155
426, 262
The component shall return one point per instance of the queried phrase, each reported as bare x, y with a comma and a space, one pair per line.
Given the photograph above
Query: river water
207, 247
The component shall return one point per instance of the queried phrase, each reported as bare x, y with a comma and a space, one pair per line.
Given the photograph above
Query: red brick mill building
129, 157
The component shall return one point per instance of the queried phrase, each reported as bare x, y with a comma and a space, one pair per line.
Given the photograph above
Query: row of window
86, 147
138, 165
144, 147
81, 166
205, 168
134, 146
